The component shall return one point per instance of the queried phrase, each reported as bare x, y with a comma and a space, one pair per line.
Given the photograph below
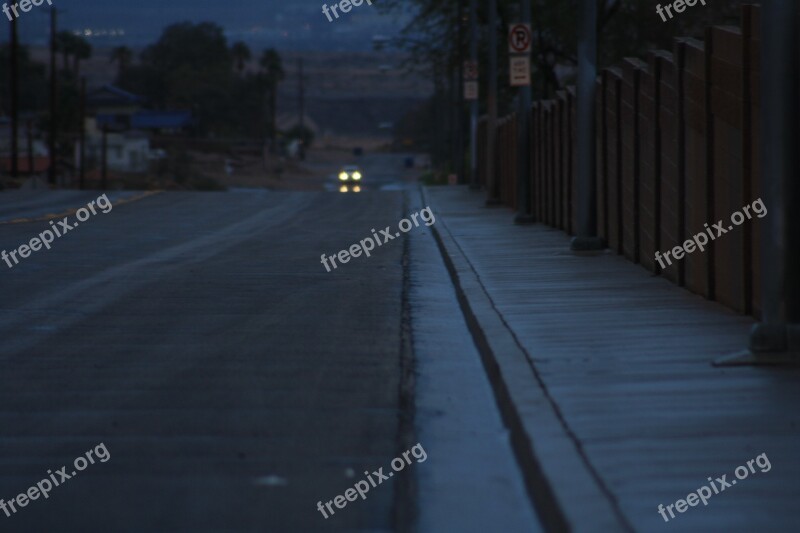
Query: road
233, 380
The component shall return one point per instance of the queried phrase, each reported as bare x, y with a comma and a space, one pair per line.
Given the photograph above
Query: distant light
356, 175
343, 188
271, 481
356, 188
87, 32
343, 176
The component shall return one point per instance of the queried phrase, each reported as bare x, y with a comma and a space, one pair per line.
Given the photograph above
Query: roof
40, 163
113, 95
161, 119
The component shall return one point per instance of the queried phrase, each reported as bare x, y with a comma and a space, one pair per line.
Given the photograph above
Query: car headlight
343, 176
356, 175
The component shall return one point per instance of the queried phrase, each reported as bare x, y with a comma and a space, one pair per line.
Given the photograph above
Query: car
350, 174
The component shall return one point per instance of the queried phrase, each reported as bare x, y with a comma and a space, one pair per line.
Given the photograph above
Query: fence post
586, 191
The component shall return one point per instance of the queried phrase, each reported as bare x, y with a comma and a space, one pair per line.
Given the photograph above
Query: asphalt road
233, 380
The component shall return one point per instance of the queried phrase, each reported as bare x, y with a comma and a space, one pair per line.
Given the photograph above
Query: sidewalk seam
503, 371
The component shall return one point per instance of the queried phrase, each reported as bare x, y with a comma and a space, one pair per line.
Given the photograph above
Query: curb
564, 490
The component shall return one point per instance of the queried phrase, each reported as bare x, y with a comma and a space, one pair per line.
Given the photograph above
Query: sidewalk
602, 372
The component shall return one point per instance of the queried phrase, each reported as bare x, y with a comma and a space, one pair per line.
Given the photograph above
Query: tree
74, 46
189, 67
241, 55
81, 50
65, 43
122, 55
272, 70
626, 28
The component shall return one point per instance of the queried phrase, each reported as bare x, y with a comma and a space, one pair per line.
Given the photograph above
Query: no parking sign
519, 38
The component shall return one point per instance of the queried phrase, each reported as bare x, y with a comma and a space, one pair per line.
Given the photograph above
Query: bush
433, 178
303, 133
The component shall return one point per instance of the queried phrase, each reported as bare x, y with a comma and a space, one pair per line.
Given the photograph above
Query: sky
283, 24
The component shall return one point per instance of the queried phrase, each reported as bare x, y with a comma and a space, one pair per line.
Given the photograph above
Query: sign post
520, 38
519, 46
470, 80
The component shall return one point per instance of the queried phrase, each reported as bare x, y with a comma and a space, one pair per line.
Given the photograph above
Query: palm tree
273, 72
75, 46
65, 43
82, 50
122, 55
241, 54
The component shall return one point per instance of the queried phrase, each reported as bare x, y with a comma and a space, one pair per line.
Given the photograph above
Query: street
233, 380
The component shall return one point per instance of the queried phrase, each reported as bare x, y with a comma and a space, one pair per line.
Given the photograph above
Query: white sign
470, 90
470, 70
520, 71
519, 38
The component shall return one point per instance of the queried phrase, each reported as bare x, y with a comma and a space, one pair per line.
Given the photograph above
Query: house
113, 106
39, 155
126, 150
128, 127
162, 122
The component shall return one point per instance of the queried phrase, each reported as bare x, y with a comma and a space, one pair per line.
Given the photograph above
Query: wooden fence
677, 147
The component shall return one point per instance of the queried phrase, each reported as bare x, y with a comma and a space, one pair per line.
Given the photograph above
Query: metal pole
300, 93
51, 172
14, 67
491, 104
458, 138
780, 228
302, 96
776, 340
82, 135
585, 188
30, 151
473, 106
524, 215
456, 150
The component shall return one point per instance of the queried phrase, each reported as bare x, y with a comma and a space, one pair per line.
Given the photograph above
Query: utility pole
585, 187
30, 149
491, 104
104, 159
473, 107
301, 104
14, 68
524, 215
82, 136
51, 141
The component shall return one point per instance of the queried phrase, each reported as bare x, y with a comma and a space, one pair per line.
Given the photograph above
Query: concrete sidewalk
602, 372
